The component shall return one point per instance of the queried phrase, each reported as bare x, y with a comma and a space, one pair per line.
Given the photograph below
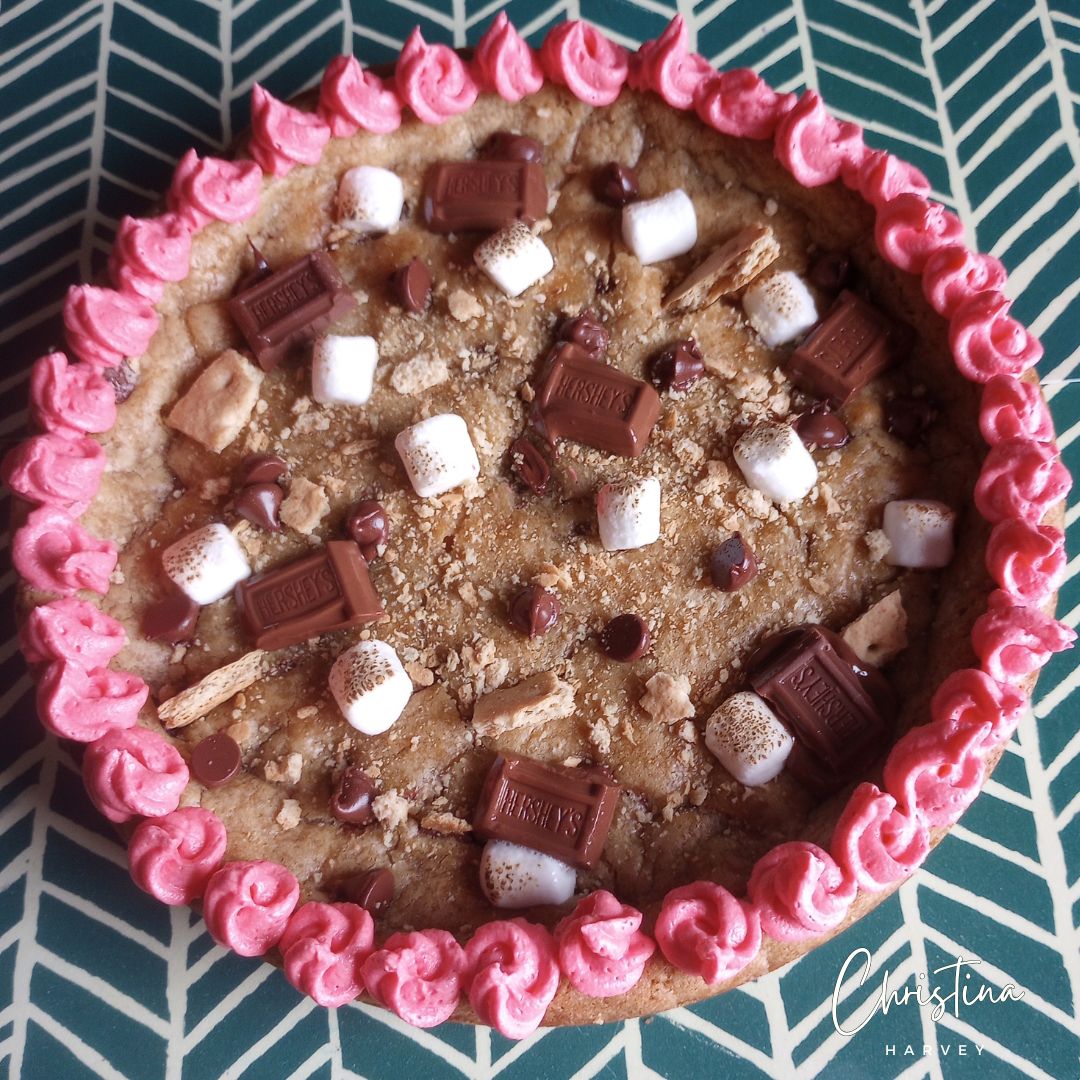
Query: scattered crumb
667, 698
288, 817
305, 506
285, 772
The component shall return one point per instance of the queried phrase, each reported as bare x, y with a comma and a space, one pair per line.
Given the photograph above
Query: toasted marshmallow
514, 259
370, 686
748, 740
779, 307
438, 454
774, 460
513, 876
343, 369
370, 199
660, 228
628, 513
920, 533
206, 563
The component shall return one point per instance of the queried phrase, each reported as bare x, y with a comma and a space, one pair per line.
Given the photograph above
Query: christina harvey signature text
948, 991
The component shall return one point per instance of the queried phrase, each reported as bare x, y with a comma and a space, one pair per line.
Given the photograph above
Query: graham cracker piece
532, 701
446, 824
667, 698
879, 633
219, 402
730, 267
212, 690
305, 506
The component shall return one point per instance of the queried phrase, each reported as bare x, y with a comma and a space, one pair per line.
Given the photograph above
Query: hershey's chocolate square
463, 196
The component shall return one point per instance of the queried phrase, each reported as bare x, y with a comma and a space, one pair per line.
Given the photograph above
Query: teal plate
100, 98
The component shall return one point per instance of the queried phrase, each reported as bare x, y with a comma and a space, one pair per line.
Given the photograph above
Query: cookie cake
537, 536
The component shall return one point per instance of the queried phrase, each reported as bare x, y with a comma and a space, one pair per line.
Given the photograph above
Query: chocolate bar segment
330, 590
595, 404
839, 709
288, 308
853, 344
563, 812
467, 196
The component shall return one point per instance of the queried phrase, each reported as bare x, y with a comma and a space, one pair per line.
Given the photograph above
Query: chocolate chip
216, 760
353, 796
587, 331
679, 367
369, 525
171, 619
616, 184
625, 638
124, 378
259, 504
509, 146
732, 564
534, 611
373, 890
908, 418
529, 466
831, 271
262, 269
412, 285
261, 469
820, 426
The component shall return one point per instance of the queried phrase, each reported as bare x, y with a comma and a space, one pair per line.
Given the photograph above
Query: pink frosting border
797, 890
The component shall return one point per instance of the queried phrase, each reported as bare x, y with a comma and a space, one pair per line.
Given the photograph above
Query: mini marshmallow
370, 686
920, 533
748, 740
438, 454
514, 259
513, 876
628, 513
370, 199
206, 563
660, 228
774, 460
780, 307
343, 369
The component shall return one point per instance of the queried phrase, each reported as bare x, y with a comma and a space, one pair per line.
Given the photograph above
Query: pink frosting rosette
602, 949
52, 551
1013, 641
986, 341
70, 399
577, 56
148, 252
953, 274
247, 905
211, 189
513, 975
103, 325
909, 229
55, 470
875, 843
282, 136
668, 67
814, 146
504, 63
417, 976
882, 176
351, 98
969, 699
172, 857
936, 770
739, 102
433, 80
85, 705
1021, 478
799, 891
1014, 409
1027, 561
71, 629
704, 930
133, 772
324, 948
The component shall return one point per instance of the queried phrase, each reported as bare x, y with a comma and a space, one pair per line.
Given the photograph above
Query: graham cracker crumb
288, 817
305, 506
667, 698
287, 771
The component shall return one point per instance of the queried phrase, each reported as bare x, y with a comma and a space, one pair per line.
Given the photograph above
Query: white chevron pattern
984, 95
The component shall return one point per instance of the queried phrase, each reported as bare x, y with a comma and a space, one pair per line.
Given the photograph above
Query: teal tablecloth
97, 101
